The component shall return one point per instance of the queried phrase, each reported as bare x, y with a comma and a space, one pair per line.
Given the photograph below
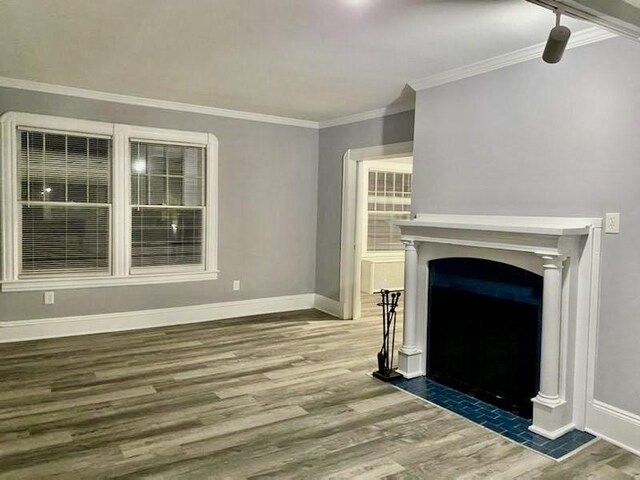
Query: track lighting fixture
557, 42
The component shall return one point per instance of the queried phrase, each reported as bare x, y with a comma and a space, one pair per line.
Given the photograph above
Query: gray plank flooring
273, 396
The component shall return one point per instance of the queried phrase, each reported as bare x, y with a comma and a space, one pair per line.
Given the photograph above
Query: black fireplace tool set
388, 304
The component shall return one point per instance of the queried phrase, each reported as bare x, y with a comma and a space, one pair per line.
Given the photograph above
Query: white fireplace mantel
564, 251
557, 226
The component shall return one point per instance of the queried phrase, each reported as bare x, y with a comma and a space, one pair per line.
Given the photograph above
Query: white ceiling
305, 59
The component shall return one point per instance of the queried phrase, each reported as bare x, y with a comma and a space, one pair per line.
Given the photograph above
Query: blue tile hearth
500, 421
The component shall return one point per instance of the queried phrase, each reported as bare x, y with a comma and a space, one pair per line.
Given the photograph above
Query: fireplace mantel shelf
555, 226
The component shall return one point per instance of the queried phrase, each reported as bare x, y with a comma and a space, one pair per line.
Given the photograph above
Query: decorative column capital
553, 262
409, 244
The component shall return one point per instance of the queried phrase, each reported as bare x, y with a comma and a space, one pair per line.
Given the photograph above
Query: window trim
121, 273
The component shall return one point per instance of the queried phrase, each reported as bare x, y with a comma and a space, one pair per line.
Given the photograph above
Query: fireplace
561, 253
484, 325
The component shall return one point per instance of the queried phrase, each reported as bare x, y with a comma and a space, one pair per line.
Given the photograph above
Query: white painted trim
556, 226
327, 305
362, 187
137, 133
552, 435
7, 172
121, 199
212, 204
348, 234
151, 102
578, 39
369, 115
58, 124
588, 312
385, 257
382, 152
349, 196
620, 427
21, 330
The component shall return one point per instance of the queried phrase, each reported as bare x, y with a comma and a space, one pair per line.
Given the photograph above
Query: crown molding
583, 37
578, 39
151, 102
369, 115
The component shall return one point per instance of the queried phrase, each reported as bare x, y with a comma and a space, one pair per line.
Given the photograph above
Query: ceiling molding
583, 37
369, 115
151, 102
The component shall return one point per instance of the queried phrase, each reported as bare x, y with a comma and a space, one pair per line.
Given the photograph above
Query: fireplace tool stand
389, 302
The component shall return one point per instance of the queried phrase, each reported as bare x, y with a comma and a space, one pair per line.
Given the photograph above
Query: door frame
348, 265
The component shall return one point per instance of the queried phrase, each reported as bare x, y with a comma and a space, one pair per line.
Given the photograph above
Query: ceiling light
557, 42
140, 165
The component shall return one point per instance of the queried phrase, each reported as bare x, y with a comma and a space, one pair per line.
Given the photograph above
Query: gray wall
267, 226
334, 142
563, 140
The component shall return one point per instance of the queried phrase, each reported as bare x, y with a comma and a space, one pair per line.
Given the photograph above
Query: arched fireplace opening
484, 330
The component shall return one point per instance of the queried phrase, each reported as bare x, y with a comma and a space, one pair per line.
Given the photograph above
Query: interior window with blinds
389, 199
64, 184
167, 199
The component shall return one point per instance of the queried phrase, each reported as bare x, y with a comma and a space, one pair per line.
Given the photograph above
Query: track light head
557, 42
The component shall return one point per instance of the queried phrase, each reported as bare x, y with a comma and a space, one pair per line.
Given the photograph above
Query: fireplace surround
564, 251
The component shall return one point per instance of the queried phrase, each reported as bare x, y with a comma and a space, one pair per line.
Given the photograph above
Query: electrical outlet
236, 285
49, 298
612, 223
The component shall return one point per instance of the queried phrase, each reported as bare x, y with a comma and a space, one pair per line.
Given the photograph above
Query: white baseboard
21, 330
614, 425
327, 305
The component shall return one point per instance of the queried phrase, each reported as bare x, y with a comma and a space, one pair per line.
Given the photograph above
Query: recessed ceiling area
306, 59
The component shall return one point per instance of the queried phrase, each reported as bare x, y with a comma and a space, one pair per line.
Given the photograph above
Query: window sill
384, 256
30, 285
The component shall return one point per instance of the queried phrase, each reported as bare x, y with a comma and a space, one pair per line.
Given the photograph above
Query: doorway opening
384, 196
354, 187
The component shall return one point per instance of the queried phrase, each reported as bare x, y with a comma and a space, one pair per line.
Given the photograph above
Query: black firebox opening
484, 326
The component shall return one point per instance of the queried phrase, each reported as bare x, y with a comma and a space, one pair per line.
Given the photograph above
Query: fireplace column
409, 356
548, 418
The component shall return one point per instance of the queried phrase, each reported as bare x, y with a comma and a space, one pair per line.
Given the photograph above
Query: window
167, 201
65, 203
389, 200
95, 204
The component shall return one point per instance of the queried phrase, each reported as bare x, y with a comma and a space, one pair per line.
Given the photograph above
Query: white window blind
64, 184
167, 205
389, 199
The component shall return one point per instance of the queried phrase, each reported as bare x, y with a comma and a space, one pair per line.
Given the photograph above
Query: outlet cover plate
612, 223
49, 298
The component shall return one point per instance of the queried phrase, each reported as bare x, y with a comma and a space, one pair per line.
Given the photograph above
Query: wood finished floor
276, 396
